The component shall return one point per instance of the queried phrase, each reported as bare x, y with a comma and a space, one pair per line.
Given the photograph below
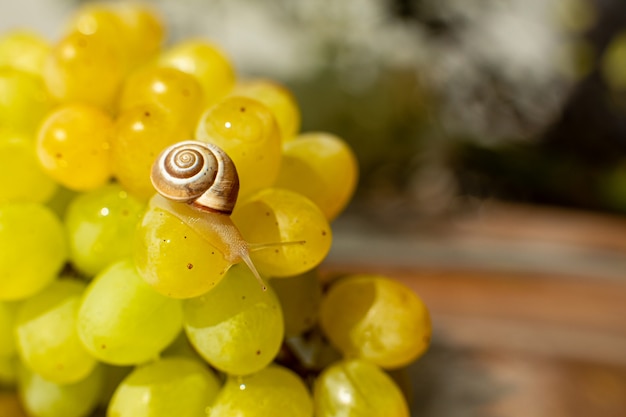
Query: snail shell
197, 173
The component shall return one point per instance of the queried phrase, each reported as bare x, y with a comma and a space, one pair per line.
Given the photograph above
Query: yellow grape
375, 318
177, 92
180, 387
246, 130
276, 215
173, 258
24, 50
204, 61
100, 226
21, 176
46, 333
23, 100
274, 391
357, 388
322, 167
236, 327
73, 146
300, 298
141, 133
134, 32
8, 371
278, 99
83, 68
33, 248
123, 321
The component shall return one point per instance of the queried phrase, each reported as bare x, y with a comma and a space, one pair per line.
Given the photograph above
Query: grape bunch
121, 299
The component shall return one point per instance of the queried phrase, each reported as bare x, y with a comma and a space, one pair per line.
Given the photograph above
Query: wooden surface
529, 313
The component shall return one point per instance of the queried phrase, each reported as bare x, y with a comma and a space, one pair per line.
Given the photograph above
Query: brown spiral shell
197, 173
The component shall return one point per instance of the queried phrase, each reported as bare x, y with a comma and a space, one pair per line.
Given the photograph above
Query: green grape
276, 215
237, 327
43, 398
321, 167
100, 226
204, 61
73, 146
275, 391
83, 68
10, 405
122, 27
7, 328
300, 298
377, 319
23, 100
357, 388
179, 387
33, 248
122, 321
18, 161
46, 334
24, 50
278, 99
246, 130
173, 258
177, 92
141, 133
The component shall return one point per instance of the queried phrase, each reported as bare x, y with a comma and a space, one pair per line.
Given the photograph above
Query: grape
46, 334
181, 347
300, 298
175, 91
85, 69
100, 226
133, 31
42, 398
122, 321
23, 50
61, 200
141, 133
357, 388
246, 130
173, 258
274, 391
178, 387
237, 327
73, 146
205, 62
7, 328
23, 100
113, 377
275, 215
21, 176
321, 167
375, 318
278, 99
32, 244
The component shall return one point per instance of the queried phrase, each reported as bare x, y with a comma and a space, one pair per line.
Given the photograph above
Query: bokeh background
491, 137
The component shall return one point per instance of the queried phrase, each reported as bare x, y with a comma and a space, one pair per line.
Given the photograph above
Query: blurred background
491, 137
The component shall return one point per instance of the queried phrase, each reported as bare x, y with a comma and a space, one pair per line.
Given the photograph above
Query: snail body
204, 178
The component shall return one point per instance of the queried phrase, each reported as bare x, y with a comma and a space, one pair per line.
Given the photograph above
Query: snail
204, 177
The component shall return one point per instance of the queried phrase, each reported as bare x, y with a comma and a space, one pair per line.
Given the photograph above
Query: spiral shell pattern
197, 173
